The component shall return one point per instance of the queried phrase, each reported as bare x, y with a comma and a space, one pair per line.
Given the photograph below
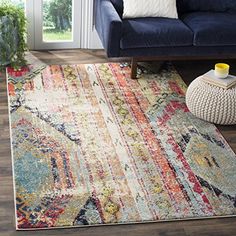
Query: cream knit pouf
212, 103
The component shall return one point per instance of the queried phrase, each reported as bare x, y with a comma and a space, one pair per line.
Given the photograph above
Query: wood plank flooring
188, 71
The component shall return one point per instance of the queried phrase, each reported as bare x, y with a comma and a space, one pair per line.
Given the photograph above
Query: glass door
57, 24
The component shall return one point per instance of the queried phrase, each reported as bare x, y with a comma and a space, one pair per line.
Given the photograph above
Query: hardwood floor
188, 71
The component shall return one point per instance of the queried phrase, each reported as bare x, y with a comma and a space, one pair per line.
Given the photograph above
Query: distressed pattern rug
90, 146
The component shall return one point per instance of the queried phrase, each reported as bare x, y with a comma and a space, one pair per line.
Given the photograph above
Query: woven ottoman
211, 103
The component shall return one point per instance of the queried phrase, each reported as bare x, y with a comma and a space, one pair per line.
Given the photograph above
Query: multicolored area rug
90, 146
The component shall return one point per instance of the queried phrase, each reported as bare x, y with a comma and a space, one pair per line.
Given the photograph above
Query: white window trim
29, 8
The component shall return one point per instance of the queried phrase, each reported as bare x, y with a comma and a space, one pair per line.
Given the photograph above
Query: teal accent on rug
30, 172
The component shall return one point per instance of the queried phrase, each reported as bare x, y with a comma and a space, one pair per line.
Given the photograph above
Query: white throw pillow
150, 8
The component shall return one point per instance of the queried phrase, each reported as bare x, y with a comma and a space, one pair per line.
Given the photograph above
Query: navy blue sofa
205, 29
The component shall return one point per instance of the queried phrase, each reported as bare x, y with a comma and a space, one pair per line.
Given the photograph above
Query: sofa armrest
108, 25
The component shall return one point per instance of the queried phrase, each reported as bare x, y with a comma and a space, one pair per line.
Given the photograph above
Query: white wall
89, 35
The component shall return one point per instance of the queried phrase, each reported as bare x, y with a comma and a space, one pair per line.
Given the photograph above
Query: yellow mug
221, 70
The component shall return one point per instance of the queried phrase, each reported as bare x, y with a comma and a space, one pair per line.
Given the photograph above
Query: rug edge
130, 223
11, 151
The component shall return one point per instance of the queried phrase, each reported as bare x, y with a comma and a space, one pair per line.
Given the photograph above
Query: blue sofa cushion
185, 6
154, 32
212, 29
118, 4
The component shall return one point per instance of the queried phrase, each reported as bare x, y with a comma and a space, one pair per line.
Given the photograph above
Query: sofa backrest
206, 5
118, 4
193, 5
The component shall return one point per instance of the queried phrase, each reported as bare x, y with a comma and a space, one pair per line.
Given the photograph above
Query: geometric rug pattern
90, 146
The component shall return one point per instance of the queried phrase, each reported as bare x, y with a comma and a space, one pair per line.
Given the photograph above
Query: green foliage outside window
12, 35
57, 14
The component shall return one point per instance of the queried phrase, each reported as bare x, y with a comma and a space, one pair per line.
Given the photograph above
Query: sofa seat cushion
212, 29
154, 32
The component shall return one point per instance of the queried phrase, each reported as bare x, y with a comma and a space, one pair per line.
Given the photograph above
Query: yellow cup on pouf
221, 70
